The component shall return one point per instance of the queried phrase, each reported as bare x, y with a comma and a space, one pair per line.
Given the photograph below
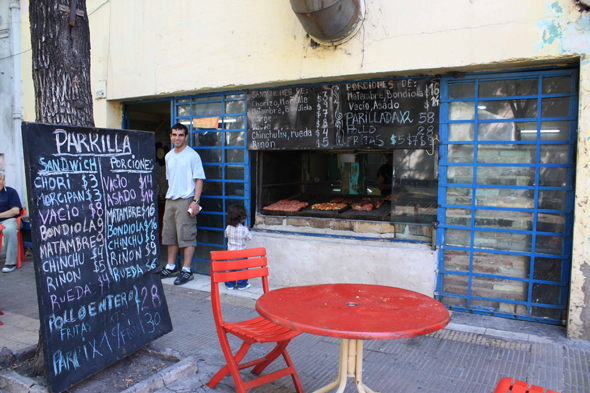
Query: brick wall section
273, 221
367, 227
413, 232
318, 223
342, 225
387, 228
505, 265
420, 230
297, 221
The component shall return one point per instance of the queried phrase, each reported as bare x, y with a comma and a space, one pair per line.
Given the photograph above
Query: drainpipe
17, 105
330, 22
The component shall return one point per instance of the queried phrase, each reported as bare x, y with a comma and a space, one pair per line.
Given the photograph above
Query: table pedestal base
351, 366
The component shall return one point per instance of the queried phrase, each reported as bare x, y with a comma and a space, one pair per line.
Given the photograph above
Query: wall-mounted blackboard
94, 220
379, 114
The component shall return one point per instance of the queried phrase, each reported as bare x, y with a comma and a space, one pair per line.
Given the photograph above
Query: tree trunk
61, 75
61, 63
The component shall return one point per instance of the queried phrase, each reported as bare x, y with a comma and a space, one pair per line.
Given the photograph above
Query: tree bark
61, 63
61, 75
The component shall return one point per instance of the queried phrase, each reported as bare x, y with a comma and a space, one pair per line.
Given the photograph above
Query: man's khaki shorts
179, 227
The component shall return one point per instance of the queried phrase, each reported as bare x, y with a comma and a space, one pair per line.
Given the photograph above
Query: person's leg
11, 235
243, 284
230, 284
189, 252
186, 274
169, 239
172, 254
186, 227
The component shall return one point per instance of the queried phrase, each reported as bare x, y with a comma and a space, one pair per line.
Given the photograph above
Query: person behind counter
9, 209
385, 175
185, 174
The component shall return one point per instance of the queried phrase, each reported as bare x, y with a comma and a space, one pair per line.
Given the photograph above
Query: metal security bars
217, 126
506, 193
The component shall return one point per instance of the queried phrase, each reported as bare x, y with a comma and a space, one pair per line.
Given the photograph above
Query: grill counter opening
351, 177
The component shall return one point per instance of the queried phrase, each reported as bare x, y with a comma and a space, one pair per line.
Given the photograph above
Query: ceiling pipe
331, 22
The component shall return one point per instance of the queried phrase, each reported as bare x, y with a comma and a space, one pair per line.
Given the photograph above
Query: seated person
9, 210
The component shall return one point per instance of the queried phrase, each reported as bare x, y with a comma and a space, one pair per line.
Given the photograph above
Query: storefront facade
501, 174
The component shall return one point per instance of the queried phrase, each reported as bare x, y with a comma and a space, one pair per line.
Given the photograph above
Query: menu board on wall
379, 114
93, 212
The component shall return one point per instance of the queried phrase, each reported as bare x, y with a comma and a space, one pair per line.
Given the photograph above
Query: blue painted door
217, 126
506, 193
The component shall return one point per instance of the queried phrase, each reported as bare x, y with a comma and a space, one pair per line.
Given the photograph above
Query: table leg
341, 380
351, 365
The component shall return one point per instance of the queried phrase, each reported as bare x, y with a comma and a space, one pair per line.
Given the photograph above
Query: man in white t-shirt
185, 174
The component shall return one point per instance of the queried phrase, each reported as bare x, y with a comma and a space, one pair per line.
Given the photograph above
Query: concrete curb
25, 353
167, 354
13, 382
170, 374
505, 334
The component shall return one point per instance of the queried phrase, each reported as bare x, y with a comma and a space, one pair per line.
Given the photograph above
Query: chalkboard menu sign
94, 221
379, 114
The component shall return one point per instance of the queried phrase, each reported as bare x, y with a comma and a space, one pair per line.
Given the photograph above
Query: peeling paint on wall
550, 33
566, 33
556, 7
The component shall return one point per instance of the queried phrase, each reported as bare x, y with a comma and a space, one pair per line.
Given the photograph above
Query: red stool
509, 385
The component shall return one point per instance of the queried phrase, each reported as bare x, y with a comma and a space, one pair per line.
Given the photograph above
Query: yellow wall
162, 47
156, 48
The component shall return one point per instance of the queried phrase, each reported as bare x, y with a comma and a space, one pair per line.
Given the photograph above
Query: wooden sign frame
94, 219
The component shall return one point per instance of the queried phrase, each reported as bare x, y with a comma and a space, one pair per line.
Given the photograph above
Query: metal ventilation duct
330, 21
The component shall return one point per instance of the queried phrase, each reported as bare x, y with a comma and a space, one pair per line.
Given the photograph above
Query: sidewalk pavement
470, 355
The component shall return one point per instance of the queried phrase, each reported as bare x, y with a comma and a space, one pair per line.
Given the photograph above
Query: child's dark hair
236, 214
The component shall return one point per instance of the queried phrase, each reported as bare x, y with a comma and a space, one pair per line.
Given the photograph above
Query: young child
237, 236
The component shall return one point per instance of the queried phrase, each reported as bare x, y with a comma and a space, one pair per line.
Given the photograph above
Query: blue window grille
506, 193
217, 127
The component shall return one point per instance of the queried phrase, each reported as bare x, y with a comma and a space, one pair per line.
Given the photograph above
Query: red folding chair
20, 257
1, 313
509, 385
225, 266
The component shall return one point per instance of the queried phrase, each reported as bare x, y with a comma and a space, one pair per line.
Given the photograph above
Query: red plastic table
353, 313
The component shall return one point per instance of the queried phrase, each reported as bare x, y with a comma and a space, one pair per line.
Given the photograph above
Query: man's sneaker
246, 287
183, 277
229, 288
8, 269
164, 273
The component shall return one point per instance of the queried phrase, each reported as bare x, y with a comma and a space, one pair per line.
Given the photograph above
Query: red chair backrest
225, 266
510, 385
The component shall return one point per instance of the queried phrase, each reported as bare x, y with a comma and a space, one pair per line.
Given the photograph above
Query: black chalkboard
94, 221
378, 114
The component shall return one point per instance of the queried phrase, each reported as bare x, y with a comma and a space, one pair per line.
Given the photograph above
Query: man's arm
13, 212
198, 191
381, 184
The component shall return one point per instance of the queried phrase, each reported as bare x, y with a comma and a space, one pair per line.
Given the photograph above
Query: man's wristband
197, 201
